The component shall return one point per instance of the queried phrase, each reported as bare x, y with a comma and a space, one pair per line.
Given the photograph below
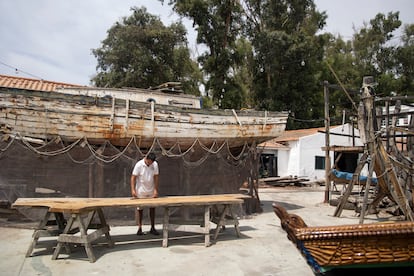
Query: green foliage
266, 54
405, 61
141, 52
371, 51
218, 25
288, 55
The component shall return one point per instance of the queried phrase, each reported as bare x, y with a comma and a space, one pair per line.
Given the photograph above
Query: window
319, 162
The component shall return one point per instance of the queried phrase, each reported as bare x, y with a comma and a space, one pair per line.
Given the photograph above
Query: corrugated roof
32, 84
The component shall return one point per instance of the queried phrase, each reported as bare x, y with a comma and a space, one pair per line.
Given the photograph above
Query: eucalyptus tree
139, 51
218, 25
375, 51
288, 52
341, 73
405, 61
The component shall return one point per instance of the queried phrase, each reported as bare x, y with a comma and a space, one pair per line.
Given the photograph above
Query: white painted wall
283, 162
299, 160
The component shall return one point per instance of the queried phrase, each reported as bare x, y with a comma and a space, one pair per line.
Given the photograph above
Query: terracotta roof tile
31, 84
294, 135
272, 145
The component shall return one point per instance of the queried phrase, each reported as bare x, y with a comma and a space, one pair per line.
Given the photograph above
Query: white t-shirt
145, 177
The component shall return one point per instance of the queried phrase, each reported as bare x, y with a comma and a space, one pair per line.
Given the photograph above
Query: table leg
207, 225
236, 221
104, 224
78, 224
84, 237
37, 233
220, 222
165, 226
44, 229
65, 231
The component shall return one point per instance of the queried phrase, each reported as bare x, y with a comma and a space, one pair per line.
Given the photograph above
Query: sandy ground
263, 248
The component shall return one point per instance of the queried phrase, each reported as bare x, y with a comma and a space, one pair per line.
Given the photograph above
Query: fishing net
54, 168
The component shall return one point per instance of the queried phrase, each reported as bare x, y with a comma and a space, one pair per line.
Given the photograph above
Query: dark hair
151, 156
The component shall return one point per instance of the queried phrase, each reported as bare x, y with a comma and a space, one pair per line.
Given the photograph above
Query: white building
403, 115
299, 152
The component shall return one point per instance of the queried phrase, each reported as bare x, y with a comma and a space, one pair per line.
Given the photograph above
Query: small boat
119, 116
326, 248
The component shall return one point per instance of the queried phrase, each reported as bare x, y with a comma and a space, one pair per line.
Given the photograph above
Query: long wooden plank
75, 205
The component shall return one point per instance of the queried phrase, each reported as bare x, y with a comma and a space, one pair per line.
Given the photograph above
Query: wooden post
91, 190
387, 124
327, 151
371, 165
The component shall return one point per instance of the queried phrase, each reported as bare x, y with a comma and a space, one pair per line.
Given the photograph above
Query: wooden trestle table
82, 211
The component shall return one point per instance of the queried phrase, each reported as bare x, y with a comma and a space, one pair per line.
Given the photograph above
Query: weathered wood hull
47, 115
388, 244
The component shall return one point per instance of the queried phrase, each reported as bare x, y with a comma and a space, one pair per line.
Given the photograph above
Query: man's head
150, 158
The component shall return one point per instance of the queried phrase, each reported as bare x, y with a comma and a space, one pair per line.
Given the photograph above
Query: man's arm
133, 181
156, 185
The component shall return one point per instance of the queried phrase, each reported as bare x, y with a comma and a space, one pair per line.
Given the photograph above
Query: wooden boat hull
388, 244
47, 115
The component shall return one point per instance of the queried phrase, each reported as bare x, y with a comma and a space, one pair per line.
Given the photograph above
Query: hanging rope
98, 154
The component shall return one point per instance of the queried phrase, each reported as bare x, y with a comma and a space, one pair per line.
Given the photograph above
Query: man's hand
133, 181
155, 193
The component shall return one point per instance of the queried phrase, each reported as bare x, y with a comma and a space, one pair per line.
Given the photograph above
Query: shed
300, 152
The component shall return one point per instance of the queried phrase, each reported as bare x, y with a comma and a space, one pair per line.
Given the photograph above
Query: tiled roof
290, 135
294, 135
32, 84
272, 145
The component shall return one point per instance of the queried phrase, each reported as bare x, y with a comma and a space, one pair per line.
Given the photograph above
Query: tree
141, 52
374, 54
372, 51
288, 55
339, 61
218, 24
405, 61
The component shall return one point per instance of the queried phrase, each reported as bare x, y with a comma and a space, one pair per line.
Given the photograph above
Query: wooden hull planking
46, 115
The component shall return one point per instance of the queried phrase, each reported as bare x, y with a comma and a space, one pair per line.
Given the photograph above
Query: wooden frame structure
394, 170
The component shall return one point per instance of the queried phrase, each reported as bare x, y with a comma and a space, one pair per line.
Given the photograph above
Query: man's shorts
145, 195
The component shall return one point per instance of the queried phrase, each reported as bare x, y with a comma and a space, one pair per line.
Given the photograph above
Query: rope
98, 154
9, 144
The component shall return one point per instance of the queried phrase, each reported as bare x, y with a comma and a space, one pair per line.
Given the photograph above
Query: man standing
144, 184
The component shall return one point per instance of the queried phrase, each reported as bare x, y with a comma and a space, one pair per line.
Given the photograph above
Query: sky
53, 39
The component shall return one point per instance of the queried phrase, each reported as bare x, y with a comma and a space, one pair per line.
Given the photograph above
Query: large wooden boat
78, 113
325, 248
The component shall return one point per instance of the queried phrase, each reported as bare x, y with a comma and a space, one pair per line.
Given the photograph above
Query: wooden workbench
82, 212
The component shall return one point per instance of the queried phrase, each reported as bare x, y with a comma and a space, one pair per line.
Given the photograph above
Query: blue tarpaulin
348, 176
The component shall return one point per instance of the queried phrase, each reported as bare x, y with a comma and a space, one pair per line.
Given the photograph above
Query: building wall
282, 162
288, 164
300, 159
